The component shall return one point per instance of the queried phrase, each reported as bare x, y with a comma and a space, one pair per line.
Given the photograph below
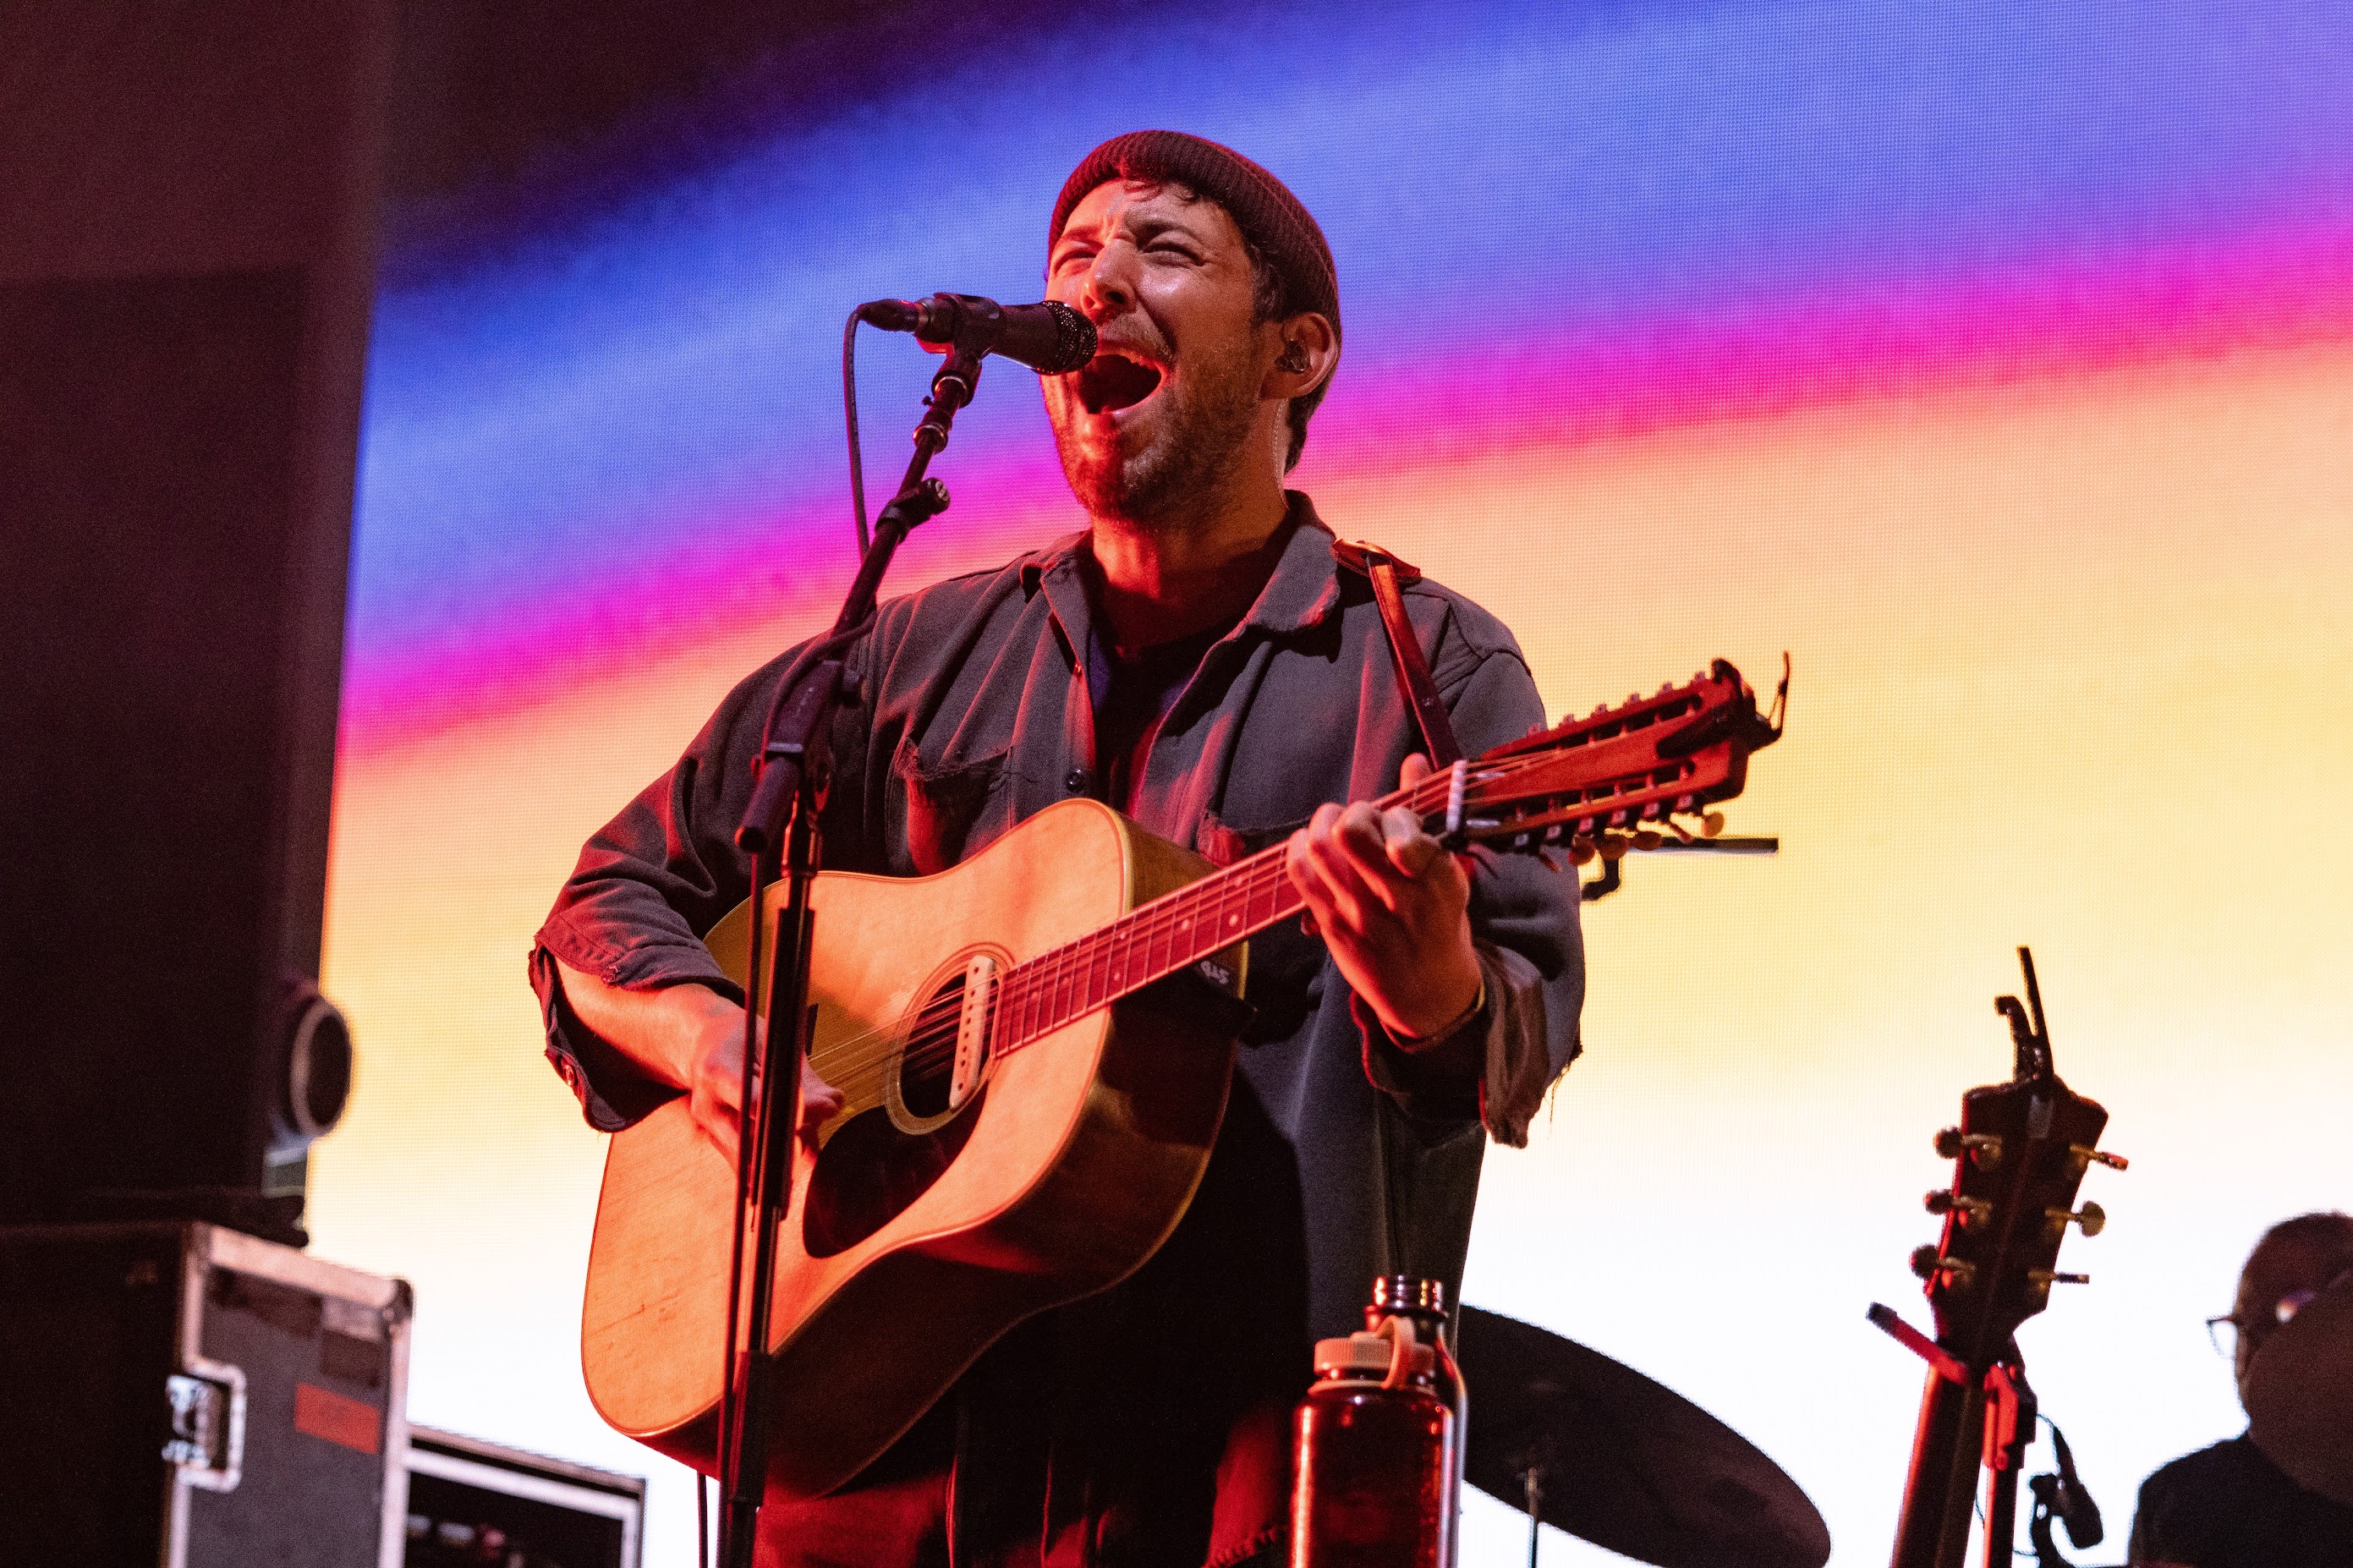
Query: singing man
1196, 657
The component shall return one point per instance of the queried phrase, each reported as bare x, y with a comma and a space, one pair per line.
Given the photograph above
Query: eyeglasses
2224, 1329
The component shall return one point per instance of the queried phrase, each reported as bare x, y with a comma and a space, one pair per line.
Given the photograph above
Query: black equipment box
473, 1502
179, 1396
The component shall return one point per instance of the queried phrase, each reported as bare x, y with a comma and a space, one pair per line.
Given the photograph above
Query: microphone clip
2061, 1495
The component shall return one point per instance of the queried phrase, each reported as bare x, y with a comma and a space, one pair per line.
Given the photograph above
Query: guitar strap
1388, 575
1405, 1160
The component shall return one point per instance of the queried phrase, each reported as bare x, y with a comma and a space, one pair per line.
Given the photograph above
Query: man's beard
1208, 422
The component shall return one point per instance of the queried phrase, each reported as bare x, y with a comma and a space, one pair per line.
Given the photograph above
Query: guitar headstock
2019, 1156
1621, 777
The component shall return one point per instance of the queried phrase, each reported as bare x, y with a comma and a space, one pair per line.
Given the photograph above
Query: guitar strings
1033, 990
929, 1035
1037, 987
933, 1031
1045, 974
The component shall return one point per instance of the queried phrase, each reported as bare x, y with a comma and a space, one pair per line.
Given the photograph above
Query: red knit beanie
1268, 216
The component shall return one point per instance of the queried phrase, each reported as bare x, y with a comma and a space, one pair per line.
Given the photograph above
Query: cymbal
2299, 1395
1622, 1462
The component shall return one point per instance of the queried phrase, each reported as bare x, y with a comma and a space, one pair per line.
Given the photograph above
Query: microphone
1050, 338
2073, 1503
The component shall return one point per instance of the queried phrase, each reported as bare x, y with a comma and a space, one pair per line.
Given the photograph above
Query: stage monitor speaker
186, 265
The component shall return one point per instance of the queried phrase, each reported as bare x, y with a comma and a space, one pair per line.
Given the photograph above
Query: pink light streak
2075, 316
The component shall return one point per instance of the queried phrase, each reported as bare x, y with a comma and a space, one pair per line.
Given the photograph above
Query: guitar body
923, 1226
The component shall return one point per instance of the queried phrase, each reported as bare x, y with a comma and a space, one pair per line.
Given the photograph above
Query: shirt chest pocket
950, 810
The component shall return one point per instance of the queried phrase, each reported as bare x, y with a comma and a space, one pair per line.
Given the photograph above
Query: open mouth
1114, 381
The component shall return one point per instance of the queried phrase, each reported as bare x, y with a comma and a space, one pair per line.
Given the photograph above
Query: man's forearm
664, 1030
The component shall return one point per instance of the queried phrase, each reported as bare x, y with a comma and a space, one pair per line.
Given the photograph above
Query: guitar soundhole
928, 1071
872, 1171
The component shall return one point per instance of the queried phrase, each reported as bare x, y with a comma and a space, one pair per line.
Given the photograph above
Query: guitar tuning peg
1679, 830
1973, 1211
1580, 852
2046, 1277
1612, 847
1927, 1265
2091, 1156
1646, 839
1711, 824
1950, 1142
2091, 1216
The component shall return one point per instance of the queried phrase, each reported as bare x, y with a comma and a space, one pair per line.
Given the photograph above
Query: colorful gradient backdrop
1996, 361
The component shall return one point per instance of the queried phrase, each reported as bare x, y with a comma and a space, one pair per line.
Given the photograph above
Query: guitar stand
2008, 1412
779, 831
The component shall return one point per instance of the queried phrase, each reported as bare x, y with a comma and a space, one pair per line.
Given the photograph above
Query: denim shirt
1342, 1155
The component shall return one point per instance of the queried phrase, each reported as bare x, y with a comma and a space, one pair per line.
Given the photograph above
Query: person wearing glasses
2229, 1505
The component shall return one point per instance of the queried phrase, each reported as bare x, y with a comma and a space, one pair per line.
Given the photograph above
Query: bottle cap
1368, 1355
1407, 1293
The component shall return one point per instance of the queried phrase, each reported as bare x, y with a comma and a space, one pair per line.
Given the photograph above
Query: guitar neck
1155, 940
1616, 768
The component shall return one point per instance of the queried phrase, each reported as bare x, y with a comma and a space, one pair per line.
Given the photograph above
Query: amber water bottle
1376, 1471
1423, 1300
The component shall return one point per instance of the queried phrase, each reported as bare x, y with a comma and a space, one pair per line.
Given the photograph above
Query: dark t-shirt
1132, 692
2228, 1507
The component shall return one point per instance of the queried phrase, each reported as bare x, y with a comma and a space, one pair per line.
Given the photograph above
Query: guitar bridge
972, 1028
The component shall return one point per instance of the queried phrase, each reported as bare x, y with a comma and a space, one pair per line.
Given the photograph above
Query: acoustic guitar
1025, 1115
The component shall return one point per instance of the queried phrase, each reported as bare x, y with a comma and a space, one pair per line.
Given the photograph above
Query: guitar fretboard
1157, 939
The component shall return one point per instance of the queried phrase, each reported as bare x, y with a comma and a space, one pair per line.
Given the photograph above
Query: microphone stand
780, 833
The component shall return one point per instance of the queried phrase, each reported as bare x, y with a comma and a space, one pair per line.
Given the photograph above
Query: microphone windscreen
1075, 340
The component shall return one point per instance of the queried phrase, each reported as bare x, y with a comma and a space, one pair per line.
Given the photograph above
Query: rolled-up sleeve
1524, 925
648, 885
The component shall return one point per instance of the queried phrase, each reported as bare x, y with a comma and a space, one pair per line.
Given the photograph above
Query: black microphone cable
849, 417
